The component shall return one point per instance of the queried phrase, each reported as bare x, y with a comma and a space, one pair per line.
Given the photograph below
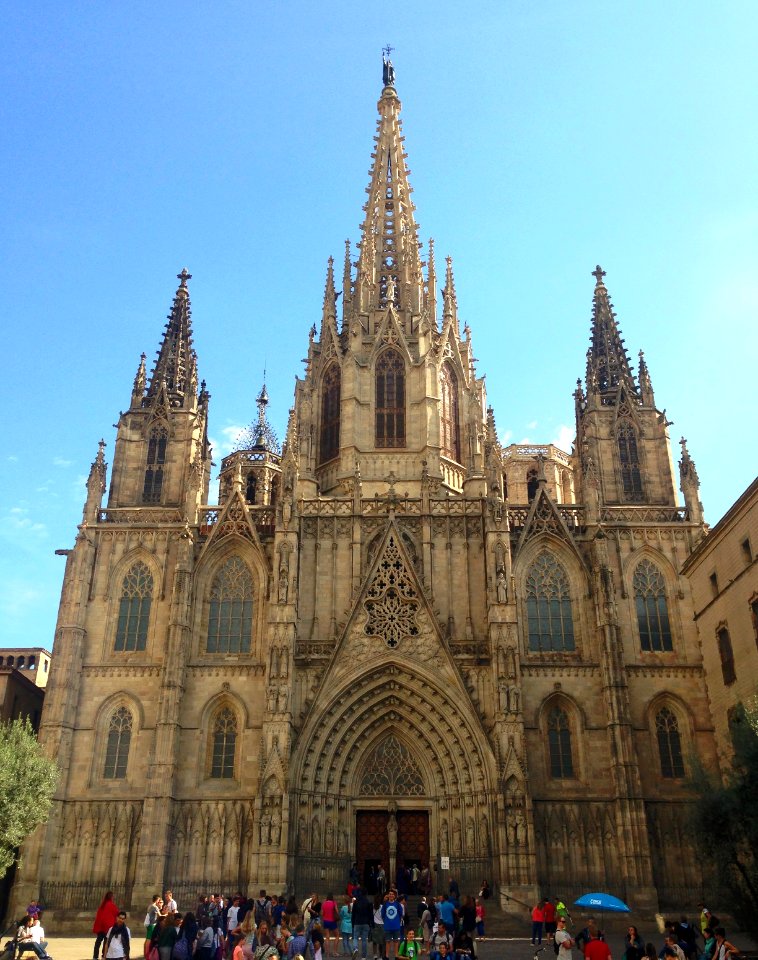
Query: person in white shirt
38, 934
563, 940
26, 941
118, 940
170, 903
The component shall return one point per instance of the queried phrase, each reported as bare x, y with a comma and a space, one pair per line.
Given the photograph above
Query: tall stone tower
392, 640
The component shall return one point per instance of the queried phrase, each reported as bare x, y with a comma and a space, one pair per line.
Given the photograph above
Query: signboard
444, 863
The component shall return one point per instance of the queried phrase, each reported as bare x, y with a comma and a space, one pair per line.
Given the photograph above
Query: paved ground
80, 948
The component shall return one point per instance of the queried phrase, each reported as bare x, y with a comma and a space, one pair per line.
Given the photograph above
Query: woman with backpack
105, 918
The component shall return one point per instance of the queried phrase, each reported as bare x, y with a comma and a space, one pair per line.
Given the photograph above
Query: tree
726, 822
27, 782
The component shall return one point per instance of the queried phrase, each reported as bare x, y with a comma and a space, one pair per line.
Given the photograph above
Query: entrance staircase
498, 922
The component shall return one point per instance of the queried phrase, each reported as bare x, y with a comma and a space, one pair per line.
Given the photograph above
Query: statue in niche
456, 836
283, 585
520, 829
443, 837
273, 668
329, 835
264, 830
512, 830
510, 662
502, 588
281, 700
284, 663
470, 836
503, 696
392, 829
341, 840
276, 827
316, 834
513, 699
302, 834
499, 558
271, 700
484, 833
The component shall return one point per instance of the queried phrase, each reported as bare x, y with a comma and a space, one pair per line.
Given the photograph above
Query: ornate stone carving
390, 771
391, 601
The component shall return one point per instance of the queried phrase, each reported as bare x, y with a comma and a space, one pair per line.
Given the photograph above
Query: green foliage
726, 823
27, 782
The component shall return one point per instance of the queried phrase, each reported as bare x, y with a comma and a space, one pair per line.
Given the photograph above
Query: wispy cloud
228, 437
18, 520
18, 598
564, 438
532, 425
61, 462
12, 458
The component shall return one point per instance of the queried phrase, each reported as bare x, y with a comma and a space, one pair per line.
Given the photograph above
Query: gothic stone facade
392, 612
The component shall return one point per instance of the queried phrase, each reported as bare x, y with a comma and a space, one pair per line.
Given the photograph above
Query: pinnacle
176, 362
607, 360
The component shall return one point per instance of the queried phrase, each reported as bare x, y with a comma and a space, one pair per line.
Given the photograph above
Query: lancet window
449, 424
134, 608
390, 400
230, 619
631, 478
156, 458
669, 744
652, 608
117, 744
330, 414
726, 655
223, 745
559, 744
548, 601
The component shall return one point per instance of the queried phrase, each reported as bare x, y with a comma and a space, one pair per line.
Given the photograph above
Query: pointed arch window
726, 655
548, 602
230, 620
669, 744
559, 744
629, 459
134, 609
652, 608
330, 414
117, 745
156, 458
449, 425
223, 745
390, 400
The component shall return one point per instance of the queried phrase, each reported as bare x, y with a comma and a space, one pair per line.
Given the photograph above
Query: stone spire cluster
607, 360
176, 365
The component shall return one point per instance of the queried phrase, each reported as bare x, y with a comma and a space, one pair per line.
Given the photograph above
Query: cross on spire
598, 273
184, 276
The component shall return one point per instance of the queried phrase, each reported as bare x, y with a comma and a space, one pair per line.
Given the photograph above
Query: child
410, 947
346, 927
480, 915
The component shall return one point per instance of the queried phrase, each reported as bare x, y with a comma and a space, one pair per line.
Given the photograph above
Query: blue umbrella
602, 902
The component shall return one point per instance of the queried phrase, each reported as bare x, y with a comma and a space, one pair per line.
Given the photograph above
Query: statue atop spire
388, 71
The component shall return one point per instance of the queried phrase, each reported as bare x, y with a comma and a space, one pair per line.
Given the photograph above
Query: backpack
261, 912
181, 949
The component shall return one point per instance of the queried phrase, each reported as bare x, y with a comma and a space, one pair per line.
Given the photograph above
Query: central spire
607, 361
389, 266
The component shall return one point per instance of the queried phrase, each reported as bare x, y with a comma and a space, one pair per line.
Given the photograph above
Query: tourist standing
118, 941
105, 918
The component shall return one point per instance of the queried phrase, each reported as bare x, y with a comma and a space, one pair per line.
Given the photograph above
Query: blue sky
235, 139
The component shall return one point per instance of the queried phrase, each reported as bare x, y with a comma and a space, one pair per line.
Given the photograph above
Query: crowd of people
682, 939
357, 925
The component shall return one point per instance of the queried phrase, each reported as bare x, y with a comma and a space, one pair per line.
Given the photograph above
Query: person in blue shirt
446, 911
392, 915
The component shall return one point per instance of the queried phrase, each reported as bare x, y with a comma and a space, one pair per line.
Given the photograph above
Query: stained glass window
230, 620
652, 609
669, 744
548, 601
224, 745
559, 744
134, 608
631, 479
330, 414
156, 458
449, 429
117, 745
390, 400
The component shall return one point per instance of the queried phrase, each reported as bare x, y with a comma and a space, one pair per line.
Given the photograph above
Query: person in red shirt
104, 920
550, 924
538, 922
597, 949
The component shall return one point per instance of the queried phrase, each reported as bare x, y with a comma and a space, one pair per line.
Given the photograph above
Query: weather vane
388, 71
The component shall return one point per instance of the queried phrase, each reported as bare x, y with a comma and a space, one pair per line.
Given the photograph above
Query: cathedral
388, 639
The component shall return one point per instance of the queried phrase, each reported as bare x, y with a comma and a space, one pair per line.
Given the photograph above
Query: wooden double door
372, 839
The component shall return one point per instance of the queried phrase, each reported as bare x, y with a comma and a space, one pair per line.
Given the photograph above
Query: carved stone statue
316, 834
276, 827
470, 836
329, 836
443, 837
514, 695
503, 697
457, 836
264, 830
283, 584
302, 835
510, 662
502, 588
